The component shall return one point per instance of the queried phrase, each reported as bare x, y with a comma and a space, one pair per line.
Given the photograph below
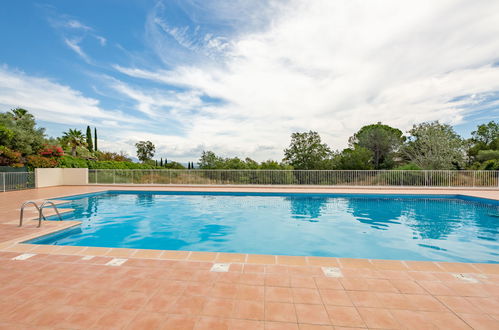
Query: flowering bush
52, 151
9, 157
35, 161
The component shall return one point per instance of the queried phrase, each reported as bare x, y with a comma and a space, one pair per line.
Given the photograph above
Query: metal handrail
22, 212
41, 211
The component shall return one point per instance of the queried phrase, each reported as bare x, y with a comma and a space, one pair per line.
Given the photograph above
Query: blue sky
239, 77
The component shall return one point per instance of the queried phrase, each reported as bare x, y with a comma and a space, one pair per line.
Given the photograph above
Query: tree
486, 134
382, 140
486, 137
90, 145
19, 114
161, 162
18, 132
434, 146
209, 160
306, 151
358, 158
145, 150
95, 138
73, 138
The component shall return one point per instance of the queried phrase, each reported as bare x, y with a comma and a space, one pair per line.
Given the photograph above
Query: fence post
3, 181
114, 176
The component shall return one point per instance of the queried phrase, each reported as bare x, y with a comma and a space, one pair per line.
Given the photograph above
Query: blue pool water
414, 227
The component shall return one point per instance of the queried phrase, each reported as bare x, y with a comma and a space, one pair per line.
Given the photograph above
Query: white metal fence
16, 181
488, 179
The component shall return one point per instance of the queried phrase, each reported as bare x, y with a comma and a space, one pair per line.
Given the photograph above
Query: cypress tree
90, 146
95, 138
166, 161
161, 162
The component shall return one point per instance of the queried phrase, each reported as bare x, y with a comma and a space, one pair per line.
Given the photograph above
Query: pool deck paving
69, 287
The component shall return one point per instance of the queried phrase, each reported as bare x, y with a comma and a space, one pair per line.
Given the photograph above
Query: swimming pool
406, 227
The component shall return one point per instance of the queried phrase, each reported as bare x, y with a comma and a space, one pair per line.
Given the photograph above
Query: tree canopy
434, 146
145, 150
381, 140
306, 151
18, 132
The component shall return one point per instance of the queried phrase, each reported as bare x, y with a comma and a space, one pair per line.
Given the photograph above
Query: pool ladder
40, 211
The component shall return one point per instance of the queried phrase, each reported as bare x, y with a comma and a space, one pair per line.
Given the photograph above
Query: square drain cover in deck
466, 278
116, 262
332, 271
24, 256
220, 268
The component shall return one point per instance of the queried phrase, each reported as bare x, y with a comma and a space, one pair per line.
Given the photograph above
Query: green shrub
491, 165
36, 161
73, 162
408, 167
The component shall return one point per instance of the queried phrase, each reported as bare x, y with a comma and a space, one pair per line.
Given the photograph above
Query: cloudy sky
238, 77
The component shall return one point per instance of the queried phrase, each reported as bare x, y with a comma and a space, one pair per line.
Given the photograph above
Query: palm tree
74, 138
19, 113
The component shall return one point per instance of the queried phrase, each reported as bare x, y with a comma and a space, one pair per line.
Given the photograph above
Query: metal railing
16, 181
489, 179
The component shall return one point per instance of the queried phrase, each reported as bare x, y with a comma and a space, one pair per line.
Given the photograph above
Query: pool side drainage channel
116, 262
220, 268
24, 256
332, 272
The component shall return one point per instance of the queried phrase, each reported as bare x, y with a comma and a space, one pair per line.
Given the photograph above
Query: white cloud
74, 45
333, 66
53, 102
75, 24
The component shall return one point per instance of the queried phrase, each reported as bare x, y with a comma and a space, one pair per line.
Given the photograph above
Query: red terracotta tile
408, 286
277, 280
378, 318
114, 319
160, 303
315, 327
82, 318
218, 307
280, 312
344, 316
302, 282
335, 297
279, 294
144, 320
306, 296
281, 326
221, 290
445, 320
188, 305
52, 316
425, 303
436, 288
211, 323
179, 322
480, 321
251, 310
313, 314
487, 305
250, 292
364, 299
328, 283
235, 324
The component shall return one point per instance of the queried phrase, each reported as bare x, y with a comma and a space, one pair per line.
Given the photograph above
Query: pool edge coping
18, 245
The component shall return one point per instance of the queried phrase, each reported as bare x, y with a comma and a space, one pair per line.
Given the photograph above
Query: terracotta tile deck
68, 287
